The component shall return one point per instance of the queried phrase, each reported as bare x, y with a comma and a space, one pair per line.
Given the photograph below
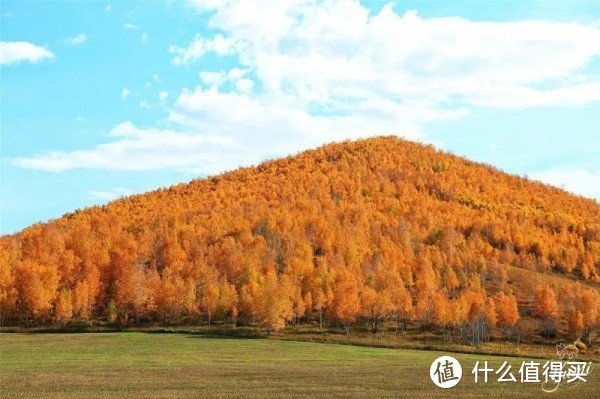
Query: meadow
153, 365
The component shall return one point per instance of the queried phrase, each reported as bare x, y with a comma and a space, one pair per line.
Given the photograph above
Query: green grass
143, 365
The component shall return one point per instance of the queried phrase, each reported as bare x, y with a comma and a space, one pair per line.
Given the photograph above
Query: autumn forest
380, 233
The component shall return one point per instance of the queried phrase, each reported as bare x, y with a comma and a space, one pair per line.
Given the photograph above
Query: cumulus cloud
339, 48
244, 85
310, 73
270, 126
217, 79
16, 52
75, 40
200, 46
130, 26
299, 73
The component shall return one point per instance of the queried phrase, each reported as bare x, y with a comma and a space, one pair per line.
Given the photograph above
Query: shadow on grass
224, 332
70, 329
213, 332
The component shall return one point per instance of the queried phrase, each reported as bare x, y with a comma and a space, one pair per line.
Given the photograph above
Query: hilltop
382, 231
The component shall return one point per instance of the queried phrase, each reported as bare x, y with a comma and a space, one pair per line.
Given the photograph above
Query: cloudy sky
101, 100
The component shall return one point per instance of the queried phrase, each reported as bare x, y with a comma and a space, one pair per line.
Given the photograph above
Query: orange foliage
545, 302
507, 310
363, 230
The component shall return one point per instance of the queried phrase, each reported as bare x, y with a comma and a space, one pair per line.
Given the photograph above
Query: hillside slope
368, 230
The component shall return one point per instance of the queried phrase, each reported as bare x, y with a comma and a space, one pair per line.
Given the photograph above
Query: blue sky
105, 99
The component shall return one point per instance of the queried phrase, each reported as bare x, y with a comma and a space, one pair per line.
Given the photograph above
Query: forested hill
377, 229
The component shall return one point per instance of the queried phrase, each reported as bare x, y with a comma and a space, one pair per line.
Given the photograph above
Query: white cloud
81, 119
270, 126
576, 180
128, 25
144, 104
217, 79
244, 85
339, 49
75, 40
162, 97
308, 73
125, 93
108, 8
109, 195
155, 79
16, 52
200, 46
315, 73
209, 78
139, 149
144, 37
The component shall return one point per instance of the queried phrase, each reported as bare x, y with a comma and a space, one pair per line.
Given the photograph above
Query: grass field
144, 365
